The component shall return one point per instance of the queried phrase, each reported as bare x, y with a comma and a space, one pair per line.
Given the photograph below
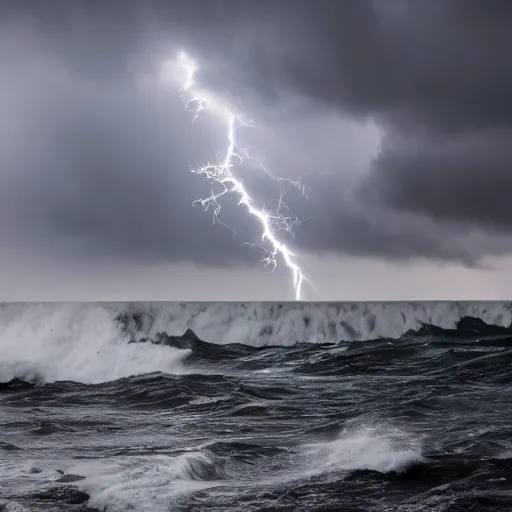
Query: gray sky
395, 114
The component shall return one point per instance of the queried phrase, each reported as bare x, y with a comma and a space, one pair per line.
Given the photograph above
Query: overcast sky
395, 114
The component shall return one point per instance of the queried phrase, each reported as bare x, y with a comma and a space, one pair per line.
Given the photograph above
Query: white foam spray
75, 342
365, 448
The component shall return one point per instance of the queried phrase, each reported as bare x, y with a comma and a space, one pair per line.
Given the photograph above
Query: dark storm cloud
436, 76
465, 178
439, 65
100, 162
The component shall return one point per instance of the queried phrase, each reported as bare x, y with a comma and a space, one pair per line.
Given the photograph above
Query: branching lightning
222, 175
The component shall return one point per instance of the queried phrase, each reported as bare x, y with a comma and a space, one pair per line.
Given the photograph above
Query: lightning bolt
222, 174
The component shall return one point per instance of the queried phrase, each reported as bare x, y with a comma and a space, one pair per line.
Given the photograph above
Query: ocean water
256, 407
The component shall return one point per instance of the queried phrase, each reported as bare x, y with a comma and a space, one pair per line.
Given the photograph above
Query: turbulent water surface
307, 407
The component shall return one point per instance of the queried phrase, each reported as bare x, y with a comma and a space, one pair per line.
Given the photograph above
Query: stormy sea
156, 407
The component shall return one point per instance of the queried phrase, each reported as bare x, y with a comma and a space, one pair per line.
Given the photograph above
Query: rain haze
396, 115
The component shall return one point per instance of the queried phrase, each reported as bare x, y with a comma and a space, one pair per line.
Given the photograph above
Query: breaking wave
82, 343
366, 449
89, 342
259, 324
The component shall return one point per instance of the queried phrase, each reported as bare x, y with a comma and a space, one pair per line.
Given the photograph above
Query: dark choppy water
420, 423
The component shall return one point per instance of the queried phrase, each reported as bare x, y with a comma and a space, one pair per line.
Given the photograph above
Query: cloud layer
396, 113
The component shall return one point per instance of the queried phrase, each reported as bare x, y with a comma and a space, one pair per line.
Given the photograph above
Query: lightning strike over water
222, 174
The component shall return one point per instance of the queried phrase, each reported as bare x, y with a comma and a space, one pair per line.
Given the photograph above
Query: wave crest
366, 449
83, 343
90, 343
260, 324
